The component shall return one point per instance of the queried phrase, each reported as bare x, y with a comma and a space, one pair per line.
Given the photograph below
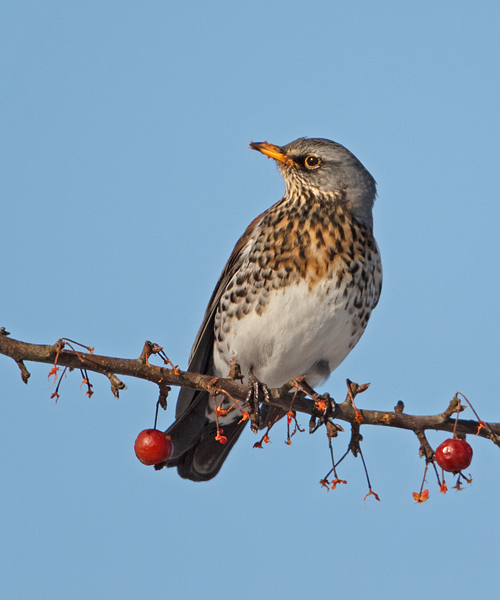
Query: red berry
153, 446
453, 455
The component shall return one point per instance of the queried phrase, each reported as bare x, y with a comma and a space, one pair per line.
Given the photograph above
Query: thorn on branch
116, 384
25, 374
148, 350
356, 388
353, 389
162, 398
58, 347
151, 348
332, 429
452, 408
312, 424
425, 447
356, 439
212, 386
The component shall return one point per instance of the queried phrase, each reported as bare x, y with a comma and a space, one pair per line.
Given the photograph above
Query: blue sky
125, 180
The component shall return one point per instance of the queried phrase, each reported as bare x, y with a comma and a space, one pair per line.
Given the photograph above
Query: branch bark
140, 368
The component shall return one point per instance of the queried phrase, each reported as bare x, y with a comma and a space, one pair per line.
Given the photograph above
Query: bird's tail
198, 455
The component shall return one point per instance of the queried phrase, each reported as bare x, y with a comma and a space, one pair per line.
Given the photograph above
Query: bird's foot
258, 392
324, 412
324, 404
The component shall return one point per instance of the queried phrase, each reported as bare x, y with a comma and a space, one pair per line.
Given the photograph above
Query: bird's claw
324, 411
258, 392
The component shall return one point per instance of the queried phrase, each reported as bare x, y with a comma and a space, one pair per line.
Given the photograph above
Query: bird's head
323, 167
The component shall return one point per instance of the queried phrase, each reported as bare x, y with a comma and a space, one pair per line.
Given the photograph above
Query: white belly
298, 330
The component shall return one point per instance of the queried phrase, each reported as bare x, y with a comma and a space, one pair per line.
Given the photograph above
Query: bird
293, 299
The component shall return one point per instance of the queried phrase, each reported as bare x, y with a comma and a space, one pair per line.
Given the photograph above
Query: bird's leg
324, 404
325, 412
257, 392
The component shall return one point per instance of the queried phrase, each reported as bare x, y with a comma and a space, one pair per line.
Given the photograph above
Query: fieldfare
294, 297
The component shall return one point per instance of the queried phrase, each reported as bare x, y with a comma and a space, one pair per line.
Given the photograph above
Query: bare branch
164, 377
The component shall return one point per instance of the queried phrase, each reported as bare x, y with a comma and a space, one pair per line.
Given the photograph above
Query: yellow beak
272, 151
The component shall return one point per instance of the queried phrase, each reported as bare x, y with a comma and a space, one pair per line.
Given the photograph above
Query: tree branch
59, 355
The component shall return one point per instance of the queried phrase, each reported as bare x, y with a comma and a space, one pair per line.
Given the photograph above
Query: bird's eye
312, 162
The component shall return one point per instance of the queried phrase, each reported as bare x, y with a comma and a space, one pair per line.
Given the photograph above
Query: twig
140, 368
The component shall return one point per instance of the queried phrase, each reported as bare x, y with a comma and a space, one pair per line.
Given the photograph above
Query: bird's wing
201, 357
197, 455
377, 275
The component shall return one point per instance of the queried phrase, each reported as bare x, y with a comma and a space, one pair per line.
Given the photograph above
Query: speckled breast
308, 279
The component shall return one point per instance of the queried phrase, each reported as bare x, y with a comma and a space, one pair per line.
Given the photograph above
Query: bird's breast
301, 297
